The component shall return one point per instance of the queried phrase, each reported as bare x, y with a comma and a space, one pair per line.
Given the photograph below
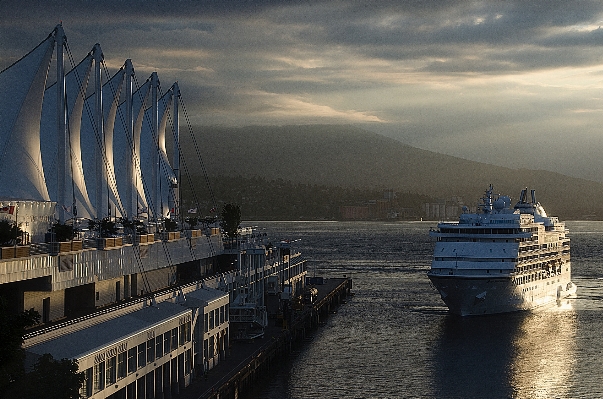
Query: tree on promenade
231, 219
49, 379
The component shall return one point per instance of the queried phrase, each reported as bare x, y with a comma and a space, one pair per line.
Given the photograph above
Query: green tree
50, 378
12, 355
107, 227
192, 221
10, 233
231, 219
63, 231
53, 379
133, 226
170, 225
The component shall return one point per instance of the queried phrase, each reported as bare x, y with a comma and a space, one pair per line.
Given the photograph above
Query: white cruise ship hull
476, 295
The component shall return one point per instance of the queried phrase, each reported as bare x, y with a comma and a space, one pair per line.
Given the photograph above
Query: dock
249, 361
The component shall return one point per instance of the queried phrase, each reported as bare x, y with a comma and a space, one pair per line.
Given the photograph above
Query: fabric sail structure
21, 168
113, 91
121, 146
153, 147
169, 180
93, 164
76, 82
91, 139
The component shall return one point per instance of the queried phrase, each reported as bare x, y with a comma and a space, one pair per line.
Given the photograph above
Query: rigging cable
202, 164
193, 191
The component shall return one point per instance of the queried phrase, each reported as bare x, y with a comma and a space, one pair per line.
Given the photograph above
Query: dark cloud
462, 77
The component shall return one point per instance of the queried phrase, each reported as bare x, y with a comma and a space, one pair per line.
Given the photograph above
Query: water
395, 339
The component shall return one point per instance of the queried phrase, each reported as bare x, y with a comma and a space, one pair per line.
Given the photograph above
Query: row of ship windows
536, 266
533, 277
480, 231
449, 239
537, 247
526, 289
540, 256
462, 259
117, 367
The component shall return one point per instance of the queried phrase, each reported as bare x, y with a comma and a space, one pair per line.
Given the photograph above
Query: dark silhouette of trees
231, 219
49, 379
53, 379
170, 225
63, 231
12, 355
106, 227
10, 233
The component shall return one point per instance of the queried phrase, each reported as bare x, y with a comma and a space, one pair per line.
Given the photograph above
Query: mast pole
98, 113
129, 203
62, 146
176, 129
155, 157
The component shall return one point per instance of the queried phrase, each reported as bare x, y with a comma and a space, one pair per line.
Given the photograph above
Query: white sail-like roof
22, 85
93, 175
112, 91
151, 146
91, 140
76, 82
122, 154
169, 177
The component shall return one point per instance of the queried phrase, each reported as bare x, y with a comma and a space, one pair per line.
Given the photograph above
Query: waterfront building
142, 307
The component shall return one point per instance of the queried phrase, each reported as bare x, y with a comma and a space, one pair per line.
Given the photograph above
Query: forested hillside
340, 158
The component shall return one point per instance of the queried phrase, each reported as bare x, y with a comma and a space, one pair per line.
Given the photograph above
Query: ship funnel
533, 192
522, 196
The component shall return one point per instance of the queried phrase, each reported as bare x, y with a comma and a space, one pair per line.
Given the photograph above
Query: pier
249, 361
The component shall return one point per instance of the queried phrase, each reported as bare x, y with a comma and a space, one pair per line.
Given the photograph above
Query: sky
510, 83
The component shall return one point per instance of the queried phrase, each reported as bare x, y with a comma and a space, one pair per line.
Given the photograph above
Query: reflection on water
518, 355
545, 354
473, 356
394, 339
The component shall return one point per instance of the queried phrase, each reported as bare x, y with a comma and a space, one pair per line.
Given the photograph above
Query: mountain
348, 157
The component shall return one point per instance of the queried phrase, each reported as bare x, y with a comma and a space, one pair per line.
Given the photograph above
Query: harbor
251, 361
141, 297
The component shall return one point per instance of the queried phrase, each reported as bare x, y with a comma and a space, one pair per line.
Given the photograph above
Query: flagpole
16, 216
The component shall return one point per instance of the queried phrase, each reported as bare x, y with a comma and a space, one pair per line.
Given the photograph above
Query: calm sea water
395, 339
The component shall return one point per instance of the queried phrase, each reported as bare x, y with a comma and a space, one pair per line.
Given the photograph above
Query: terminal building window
121, 365
142, 359
151, 350
87, 385
185, 333
187, 362
99, 377
166, 342
132, 360
174, 338
111, 370
159, 346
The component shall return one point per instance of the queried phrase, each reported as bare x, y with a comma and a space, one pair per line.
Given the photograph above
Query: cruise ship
502, 258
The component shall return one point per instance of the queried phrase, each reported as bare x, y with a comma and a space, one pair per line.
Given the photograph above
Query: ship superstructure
502, 258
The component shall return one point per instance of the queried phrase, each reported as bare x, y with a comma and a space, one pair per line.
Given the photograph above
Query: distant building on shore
444, 209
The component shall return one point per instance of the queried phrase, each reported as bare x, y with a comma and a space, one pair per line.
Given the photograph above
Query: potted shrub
11, 235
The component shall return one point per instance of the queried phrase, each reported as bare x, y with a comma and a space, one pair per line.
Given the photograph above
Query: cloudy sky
513, 83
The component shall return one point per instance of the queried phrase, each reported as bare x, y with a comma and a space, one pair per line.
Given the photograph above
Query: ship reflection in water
516, 355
